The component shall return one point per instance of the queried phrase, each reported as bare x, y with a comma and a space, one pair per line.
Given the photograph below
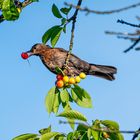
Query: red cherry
24, 55
59, 77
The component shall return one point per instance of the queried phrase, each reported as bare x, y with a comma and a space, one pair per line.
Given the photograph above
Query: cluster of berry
65, 81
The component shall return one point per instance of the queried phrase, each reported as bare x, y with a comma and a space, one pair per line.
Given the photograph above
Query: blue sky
23, 87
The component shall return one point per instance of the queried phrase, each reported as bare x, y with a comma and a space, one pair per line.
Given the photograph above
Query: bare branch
125, 33
127, 38
103, 12
127, 23
133, 45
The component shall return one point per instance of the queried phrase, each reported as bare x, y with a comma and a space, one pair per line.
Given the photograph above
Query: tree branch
133, 45
124, 34
136, 134
73, 19
103, 12
127, 23
104, 129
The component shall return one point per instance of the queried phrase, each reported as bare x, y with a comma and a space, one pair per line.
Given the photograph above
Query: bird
54, 58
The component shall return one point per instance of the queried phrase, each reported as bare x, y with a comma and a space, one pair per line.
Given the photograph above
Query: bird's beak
29, 53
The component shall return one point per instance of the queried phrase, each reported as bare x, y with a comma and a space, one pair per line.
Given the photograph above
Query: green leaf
81, 97
55, 36
48, 33
110, 124
45, 130
49, 135
56, 12
82, 127
70, 136
84, 136
1, 2
57, 102
95, 134
65, 10
76, 135
64, 29
72, 114
49, 100
63, 21
59, 137
71, 123
120, 136
64, 95
25, 136
89, 133
9, 10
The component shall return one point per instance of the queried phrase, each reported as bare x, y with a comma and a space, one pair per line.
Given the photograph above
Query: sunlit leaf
25, 136
9, 10
72, 114
49, 135
48, 33
111, 124
71, 123
120, 136
55, 36
81, 97
95, 134
49, 100
45, 130
89, 133
70, 136
57, 102
64, 95
56, 12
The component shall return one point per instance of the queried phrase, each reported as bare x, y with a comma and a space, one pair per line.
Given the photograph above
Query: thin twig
104, 129
73, 19
127, 23
137, 49
103, 12
127, 38
133, 45
26, 3
125, 33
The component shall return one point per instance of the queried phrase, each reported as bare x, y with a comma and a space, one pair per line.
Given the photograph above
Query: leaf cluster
56, 97
99, 130
53, 34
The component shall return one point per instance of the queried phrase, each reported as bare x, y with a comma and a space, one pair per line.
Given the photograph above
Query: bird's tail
103, 71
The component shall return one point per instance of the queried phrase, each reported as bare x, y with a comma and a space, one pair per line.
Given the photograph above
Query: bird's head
36, 49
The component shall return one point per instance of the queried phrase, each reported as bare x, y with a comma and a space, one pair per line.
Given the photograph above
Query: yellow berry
19, 10
82, 75
72, 80
66, 79
77, 79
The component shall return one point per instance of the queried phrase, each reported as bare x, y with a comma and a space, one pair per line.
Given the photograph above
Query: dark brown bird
56, 57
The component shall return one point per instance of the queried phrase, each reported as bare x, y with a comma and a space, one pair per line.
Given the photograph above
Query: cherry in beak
26, 55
